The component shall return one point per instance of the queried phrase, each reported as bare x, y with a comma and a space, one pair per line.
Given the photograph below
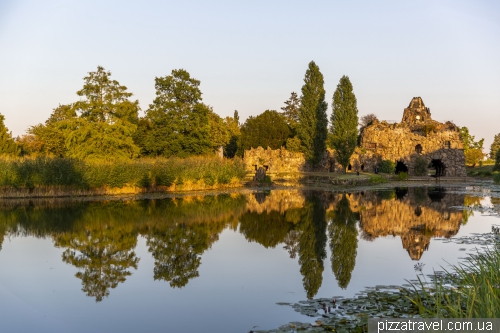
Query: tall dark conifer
312, 129
344, 122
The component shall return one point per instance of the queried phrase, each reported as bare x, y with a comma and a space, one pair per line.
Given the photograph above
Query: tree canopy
269, 129
291, 111
7, 144
106, 120
495, 146
344, 122
473, 149
313, 122
177, 123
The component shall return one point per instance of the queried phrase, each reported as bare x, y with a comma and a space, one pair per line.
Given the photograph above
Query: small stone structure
416, 137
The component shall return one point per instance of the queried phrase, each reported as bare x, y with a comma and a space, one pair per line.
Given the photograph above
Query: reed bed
44, 176
469, 290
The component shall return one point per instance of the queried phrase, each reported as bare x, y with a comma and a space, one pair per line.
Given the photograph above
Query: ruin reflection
417, 216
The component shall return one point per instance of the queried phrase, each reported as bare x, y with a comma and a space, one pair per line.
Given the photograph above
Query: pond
217, 263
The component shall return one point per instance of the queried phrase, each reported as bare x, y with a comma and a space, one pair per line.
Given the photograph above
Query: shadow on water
99, 238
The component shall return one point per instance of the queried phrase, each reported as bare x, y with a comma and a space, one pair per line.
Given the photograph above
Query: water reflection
99, 238
343, 240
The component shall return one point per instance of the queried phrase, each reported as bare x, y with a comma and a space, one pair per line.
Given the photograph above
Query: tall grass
470, 290
33, 173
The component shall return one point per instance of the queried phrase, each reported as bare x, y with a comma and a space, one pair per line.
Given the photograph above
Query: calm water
215, 263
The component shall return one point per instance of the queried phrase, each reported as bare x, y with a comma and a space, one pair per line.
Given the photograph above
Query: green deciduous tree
344, 122
497, 161
7, 144
313, 122
473, 149
180, 125
495, 146
269, 129
107, 120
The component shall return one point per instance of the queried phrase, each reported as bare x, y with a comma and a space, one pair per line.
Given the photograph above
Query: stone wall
416, 136
284, 161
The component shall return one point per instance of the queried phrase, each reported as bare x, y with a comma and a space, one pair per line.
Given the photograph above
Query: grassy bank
60, 177
469, 290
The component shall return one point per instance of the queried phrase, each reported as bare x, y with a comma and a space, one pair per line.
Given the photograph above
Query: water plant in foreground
470, 290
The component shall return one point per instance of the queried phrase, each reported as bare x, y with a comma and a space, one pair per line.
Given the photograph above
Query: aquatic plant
468, 290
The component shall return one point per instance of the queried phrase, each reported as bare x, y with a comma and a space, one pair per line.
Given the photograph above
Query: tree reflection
102, 250
312, 243
343, 241
268, 229
177, 250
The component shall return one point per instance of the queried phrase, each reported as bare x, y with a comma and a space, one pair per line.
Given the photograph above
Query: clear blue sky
251, 55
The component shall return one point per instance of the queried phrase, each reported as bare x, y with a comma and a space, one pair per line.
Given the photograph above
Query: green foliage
313, 122
469, 140
496, 178
386, 194
343, 241
421, 166
91, 174
473, 150
495, 146
344, 122
291, 111
402, 176
387, 166
497, 161
233, 127
8, 146
377, 179
428, 128
474, 292
293, 144
269, 129
178, 123
107, 120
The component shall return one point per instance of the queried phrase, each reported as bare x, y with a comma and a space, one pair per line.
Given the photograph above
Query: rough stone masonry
416, 137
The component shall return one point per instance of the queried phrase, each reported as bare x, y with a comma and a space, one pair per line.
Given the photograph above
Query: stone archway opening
349, 167
401, 167
362, 167
439, 166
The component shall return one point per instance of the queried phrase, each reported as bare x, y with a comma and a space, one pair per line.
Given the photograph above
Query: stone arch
439, 166
418, 149
362, 167
349, 167
401, 167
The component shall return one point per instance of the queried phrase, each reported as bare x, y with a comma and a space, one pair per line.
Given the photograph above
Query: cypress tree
312, 129
344, 122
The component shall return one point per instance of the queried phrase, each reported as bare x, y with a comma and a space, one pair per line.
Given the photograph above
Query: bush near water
144, 173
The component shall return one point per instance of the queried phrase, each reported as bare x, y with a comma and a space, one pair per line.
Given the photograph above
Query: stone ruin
416, 137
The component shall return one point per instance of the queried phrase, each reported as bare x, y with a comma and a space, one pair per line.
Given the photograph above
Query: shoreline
130, 193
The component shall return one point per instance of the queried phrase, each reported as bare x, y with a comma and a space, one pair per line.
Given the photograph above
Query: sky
250, 55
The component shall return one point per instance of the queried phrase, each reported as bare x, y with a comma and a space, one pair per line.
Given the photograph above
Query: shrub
497, 161
496, 178
420, 166
377, 179
387, 166
402, 176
